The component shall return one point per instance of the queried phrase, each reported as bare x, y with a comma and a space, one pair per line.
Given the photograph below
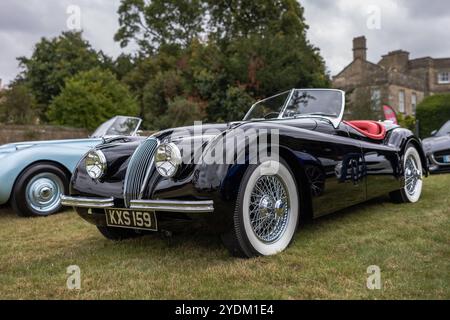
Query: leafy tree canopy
90, 98
154, 23
223, 55
54, 60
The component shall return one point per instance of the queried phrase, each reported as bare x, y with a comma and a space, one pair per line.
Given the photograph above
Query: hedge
432, 113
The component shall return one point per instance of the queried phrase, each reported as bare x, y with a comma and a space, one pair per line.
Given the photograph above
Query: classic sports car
437, 149
312, 163
33, 175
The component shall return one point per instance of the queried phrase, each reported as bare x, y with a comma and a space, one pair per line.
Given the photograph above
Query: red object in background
390, 114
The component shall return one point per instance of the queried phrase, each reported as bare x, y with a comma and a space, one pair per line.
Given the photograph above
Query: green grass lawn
328, 260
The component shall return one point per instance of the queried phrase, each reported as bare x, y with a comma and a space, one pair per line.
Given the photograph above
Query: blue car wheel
38, 189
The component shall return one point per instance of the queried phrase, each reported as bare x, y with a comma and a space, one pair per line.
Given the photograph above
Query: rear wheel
267, 211
38, 189
413, 171
118, 234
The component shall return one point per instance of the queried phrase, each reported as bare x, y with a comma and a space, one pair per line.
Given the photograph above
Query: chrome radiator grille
139, 169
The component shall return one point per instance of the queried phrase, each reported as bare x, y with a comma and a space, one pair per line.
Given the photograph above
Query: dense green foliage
90, 98
408, 122
432, 113
54, 60
252, 50
17, 105
196, 60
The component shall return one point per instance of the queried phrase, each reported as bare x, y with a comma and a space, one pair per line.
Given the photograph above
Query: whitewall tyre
267, 211
413, 176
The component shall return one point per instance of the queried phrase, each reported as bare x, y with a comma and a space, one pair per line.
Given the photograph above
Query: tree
153, 23
181, 112
54, 60
90, 98
253, 49
232, 19
18, 105
432, 113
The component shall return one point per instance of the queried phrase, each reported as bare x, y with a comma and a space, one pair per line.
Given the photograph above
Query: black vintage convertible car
292, 158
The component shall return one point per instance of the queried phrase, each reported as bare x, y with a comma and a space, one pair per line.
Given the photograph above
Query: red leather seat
371, 129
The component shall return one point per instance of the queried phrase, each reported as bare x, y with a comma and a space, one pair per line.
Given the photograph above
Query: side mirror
139, 132
433, 133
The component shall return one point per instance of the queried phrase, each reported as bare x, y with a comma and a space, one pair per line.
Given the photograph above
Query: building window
443, 78
376, 100
414, 103
401, 101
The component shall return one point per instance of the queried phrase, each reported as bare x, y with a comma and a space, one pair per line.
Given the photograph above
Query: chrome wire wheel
269, 208
43, 193
413, 175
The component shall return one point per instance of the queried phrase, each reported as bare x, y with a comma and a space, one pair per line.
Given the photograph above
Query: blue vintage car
33, 175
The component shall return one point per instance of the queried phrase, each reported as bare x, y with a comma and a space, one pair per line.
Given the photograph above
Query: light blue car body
15, 157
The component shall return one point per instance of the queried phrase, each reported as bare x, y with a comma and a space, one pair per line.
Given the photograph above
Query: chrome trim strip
82, 202
173, 206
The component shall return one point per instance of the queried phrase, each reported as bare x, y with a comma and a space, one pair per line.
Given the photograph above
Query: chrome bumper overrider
150, 205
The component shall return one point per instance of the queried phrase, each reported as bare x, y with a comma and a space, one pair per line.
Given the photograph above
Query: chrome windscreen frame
335, 121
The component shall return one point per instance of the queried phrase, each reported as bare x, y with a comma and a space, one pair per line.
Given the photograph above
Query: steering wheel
271, 115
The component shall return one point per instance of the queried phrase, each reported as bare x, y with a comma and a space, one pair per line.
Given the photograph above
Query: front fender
13, 164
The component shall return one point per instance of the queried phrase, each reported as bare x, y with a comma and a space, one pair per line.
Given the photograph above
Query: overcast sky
419, 26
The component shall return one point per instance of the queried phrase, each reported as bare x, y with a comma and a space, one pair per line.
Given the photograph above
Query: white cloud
418, 26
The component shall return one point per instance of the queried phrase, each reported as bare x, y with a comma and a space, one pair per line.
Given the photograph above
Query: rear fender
400, 138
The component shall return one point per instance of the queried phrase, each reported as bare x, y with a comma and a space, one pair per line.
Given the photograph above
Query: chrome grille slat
140, 163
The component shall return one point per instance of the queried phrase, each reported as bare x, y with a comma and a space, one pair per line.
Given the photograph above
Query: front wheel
413, 173
267, 211
38, 189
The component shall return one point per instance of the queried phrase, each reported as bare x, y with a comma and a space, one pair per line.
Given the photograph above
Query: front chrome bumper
148, 205
80, 202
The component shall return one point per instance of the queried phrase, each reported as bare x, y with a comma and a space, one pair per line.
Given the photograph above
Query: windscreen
269, 108
327, 103
118, 126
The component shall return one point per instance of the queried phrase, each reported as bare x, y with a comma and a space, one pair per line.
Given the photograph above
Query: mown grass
328, 260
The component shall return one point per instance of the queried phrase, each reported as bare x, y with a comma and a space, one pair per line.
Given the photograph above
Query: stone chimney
360, 48
396, 60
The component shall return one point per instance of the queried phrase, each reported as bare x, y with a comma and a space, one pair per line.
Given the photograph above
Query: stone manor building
395, 80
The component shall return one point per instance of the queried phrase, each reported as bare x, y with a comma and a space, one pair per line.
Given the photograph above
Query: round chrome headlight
167, 159
96, 164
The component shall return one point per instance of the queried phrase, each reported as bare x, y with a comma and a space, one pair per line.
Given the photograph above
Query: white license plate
446, 159
131, 219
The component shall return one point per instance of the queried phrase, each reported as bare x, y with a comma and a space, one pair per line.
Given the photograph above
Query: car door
339, 182
382, 168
